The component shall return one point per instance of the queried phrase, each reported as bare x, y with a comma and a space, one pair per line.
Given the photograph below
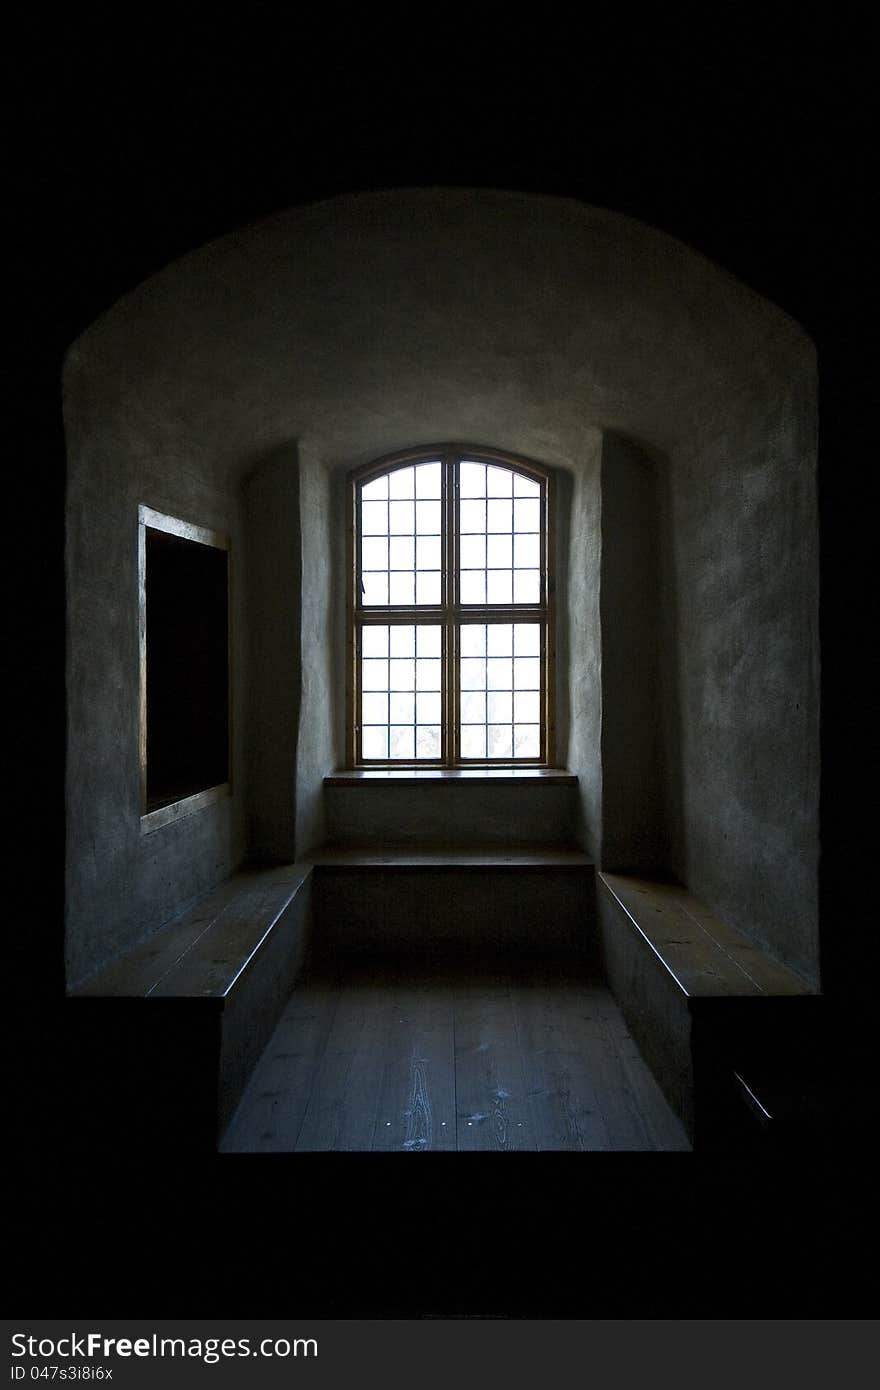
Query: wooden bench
703, 1002
169, 1032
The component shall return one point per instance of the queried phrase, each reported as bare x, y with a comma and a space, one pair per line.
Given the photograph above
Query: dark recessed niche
186, 610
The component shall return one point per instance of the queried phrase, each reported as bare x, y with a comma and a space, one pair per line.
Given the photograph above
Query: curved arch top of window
451, 621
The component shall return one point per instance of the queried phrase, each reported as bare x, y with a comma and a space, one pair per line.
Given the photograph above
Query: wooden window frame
450, 614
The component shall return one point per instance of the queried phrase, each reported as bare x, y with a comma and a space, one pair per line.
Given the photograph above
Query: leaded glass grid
451, 614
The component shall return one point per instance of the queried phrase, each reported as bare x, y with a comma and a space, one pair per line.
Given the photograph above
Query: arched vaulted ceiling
372, 321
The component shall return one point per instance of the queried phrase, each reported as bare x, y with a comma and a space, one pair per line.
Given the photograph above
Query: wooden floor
398, 1062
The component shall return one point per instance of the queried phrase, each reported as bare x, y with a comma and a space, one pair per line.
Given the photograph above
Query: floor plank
270, 1114
342, 1108
557, 1060
492, 1103
417, 1100
439, 1061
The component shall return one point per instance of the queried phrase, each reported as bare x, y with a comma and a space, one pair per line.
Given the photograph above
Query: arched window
451, 611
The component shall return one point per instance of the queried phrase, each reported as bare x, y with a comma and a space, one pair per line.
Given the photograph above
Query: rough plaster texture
122, 884
583, 673
322, 556
272, 514
368, 323
633, 819
742, 596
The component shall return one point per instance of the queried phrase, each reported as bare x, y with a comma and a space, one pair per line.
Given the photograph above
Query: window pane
472, 586
402, 742
428, 640
428, 518
402, 674
374, 553
427, 675
401, 483
472, 517
375, 588
402, 517
472, 479
402, 708
527, 639
527, 552
428, 587
498, 586
473, 674
527, 741
402, 552
498, 515
473, 741
473, 707
428, 708
498, 552
402, 588
428, 554
402, 640
374, 518
428, 741
526, 514
472, 639
472, 552
374, 675
527, 586
499, 707
374, 641
498, 673
499, 481
525, 487
500, 741
373, 491
374, 709
374, 742
527, 707
526, 673
429, 480
499, 639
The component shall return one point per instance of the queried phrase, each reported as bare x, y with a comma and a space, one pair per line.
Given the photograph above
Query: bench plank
139, 971
706, 956
214, 962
